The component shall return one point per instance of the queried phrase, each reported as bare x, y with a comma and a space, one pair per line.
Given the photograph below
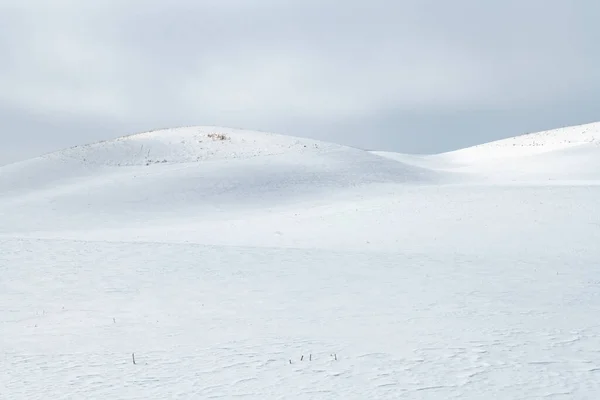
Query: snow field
237, 264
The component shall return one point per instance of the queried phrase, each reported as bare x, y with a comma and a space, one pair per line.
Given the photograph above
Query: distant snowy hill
192, 144
246, 158
204, 169
569, 154
221, 168
555, 140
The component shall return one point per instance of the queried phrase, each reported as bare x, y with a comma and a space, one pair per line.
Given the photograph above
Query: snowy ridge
529, 144
561, 156
232, 149
191, 144
85, 164
200, 170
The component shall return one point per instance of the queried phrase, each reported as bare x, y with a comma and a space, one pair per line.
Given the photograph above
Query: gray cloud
421, 75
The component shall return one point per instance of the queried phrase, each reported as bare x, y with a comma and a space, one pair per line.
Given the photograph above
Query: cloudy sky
402, 75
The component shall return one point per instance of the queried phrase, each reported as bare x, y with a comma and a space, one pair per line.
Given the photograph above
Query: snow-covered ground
253, 265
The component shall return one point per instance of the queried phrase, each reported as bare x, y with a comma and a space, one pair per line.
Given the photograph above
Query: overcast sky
401, 75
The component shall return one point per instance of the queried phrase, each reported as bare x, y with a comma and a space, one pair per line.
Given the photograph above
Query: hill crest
529, 144
189, 144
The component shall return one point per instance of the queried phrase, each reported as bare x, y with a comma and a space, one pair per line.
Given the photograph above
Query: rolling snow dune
185, 264
530, 144
567, 155
170, 171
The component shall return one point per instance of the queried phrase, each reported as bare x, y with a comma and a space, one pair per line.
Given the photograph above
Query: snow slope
263, 266
567, 155
555, 140
186, 171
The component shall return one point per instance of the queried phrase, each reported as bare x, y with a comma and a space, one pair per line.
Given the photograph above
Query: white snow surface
568, 154
262, 266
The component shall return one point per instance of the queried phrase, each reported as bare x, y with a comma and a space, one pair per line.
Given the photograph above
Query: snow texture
238, 264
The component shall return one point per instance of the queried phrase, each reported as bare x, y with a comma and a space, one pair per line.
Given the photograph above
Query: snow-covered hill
168, 178
566, 156
192, 144
198, 170
555, 140
208, 153
207, 262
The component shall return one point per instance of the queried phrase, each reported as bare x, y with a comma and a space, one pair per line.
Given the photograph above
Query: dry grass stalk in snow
218, 136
